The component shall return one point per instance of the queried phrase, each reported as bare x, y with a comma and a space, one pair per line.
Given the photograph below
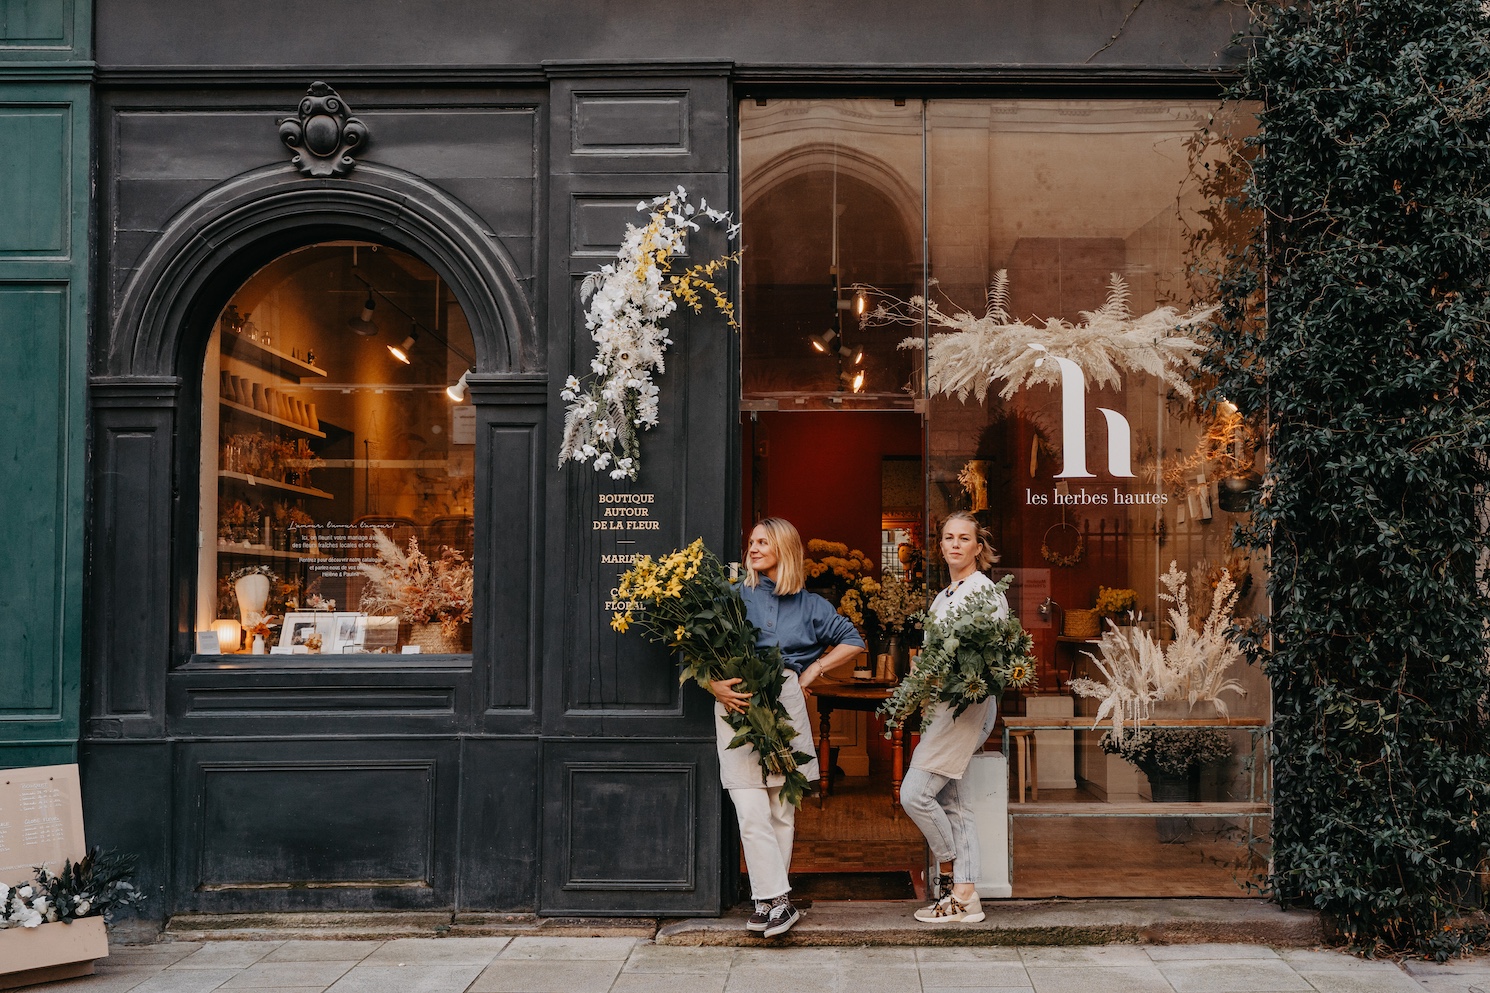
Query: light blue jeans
936, 805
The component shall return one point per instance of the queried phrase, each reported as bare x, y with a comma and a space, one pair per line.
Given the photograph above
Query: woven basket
1081, 624
431, 639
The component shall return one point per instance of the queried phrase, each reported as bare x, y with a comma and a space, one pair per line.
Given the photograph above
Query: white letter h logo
1073, 428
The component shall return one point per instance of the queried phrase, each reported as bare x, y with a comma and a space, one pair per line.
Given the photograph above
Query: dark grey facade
559, 768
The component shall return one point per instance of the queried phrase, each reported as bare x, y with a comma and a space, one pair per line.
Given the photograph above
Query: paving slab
330, 950
185, 981
1233, 976
225, 955
364, 978
973, 973
1208, 950
671, 982
1019, 922
440, 951
977, 953
1092, 979
646, 957
267, 975
570, 948
1363, 981
110, 981
547, 976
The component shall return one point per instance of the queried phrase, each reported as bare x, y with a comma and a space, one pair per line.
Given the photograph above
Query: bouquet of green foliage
686, 601
969, 656
93, 886
1176, 751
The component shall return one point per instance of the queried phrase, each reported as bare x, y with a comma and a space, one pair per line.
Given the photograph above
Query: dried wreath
1057, 558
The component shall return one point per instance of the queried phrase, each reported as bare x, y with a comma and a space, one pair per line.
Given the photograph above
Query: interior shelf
245, 479
268, 357
238, 408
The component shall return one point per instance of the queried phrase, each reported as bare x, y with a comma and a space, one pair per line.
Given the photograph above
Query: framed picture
298, 628
382, 634
351, 632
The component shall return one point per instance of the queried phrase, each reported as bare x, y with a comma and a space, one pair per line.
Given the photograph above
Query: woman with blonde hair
814, 640
931, 791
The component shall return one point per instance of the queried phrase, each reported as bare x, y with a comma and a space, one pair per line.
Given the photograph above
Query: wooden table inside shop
859, 695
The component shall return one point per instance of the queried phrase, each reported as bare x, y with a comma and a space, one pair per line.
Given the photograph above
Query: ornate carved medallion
323, 134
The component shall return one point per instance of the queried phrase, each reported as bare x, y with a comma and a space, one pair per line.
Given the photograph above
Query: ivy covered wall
1370, 188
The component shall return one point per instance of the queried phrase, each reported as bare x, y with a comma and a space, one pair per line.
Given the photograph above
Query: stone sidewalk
632, 965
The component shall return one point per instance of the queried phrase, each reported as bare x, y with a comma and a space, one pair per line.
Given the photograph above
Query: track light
363, 323
855, 355
854, 382
457, 391
401, 352
823, 343
861, 303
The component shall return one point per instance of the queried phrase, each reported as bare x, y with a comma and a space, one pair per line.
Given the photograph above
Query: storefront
337, 295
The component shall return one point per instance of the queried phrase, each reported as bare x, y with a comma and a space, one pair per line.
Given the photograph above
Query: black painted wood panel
316, 824
128, 629
630, 827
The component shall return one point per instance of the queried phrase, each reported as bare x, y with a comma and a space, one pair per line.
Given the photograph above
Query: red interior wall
821, 470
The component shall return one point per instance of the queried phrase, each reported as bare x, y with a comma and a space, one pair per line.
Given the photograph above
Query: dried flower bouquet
414, 589
974, 351
970, 655
686, 601
1138, 672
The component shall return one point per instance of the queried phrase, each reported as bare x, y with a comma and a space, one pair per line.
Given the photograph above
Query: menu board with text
41, 820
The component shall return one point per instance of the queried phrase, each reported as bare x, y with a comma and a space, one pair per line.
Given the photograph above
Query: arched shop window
337, 461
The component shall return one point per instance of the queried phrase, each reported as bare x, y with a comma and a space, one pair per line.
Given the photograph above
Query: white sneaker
950, 910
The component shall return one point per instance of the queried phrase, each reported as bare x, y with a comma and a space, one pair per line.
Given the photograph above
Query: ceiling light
855, 355
457, 392
401, 352
859, 381
861, 303
823, 343
363, 324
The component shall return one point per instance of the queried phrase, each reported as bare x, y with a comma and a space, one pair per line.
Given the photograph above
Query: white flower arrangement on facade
628, 301
975, 351
1138, 672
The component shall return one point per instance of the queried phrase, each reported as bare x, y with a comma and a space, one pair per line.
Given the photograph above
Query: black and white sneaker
759, 920
781, 917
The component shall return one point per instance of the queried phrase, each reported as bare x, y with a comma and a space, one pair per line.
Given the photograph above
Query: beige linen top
948, 744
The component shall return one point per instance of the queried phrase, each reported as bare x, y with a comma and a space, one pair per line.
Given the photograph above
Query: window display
337, 459
1025, 274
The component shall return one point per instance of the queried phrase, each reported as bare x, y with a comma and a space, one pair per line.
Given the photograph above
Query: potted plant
1117, 605
52, 927
895, 604
1171, 758
433, 597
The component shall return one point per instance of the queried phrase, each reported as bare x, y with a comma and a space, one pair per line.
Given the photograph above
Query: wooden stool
1025, 762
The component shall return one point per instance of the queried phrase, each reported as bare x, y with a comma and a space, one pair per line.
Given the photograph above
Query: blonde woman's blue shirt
803, 625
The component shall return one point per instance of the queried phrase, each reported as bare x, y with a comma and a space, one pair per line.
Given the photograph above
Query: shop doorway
874, 228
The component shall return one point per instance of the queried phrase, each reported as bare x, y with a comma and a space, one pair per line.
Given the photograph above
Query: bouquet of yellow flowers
686, 601
969, 656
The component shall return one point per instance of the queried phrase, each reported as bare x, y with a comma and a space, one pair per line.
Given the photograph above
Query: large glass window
1104, 483
337, 461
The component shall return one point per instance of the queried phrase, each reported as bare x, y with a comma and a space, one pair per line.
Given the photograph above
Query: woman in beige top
931, 791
